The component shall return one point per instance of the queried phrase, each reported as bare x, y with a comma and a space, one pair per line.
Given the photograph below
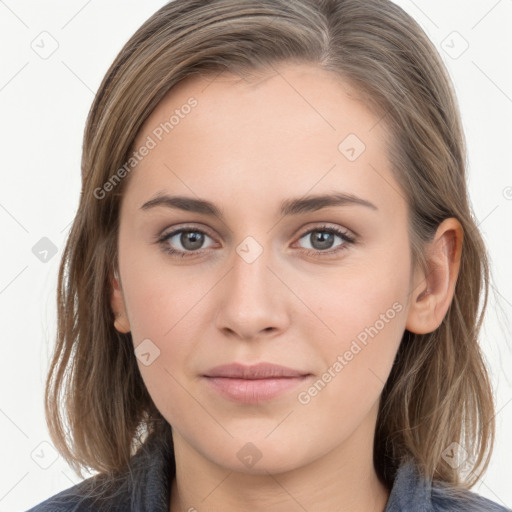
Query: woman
269, 296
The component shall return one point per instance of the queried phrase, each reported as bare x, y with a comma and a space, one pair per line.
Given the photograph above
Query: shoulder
142, 485
449, 499
95, 493
411, 492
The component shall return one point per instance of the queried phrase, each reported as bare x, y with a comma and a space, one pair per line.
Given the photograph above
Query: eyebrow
294, 206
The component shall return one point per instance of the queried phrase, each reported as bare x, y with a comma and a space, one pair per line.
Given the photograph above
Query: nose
252, 299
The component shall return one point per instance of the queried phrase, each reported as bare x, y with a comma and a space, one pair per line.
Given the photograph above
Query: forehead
281, 96
296, 127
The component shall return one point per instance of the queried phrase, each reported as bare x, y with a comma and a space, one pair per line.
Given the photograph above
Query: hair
97, 407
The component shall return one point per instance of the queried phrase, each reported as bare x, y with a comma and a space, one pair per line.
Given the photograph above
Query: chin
260, 457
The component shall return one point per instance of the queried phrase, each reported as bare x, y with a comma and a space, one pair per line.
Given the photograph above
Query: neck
280, 493
343, 479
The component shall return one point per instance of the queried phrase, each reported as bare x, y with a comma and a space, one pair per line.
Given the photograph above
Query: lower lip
253, 391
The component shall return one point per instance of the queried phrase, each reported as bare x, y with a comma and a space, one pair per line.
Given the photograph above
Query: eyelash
347, 240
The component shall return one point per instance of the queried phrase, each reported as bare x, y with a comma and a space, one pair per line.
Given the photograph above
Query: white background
43, 105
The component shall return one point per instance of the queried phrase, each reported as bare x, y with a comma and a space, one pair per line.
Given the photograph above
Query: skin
247, 146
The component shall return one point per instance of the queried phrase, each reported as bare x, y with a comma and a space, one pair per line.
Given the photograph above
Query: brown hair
438, 393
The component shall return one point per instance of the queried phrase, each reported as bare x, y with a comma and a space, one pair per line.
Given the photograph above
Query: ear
432, 294
121, 322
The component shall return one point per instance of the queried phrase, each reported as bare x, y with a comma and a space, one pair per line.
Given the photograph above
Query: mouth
253, 384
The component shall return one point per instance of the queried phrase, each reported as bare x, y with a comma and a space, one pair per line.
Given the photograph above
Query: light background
43, 105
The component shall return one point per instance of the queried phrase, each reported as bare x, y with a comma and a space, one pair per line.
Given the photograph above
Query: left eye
322, 239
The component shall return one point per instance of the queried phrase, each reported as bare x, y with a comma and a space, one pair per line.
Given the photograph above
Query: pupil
191, 240
322, 239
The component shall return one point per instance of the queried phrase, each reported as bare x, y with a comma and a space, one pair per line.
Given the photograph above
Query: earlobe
121, 322
432, 292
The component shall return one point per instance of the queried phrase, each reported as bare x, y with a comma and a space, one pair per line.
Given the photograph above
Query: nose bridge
250, 302
250, 273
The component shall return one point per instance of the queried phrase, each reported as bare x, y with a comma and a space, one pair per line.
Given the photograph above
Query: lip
253, 384
257, 371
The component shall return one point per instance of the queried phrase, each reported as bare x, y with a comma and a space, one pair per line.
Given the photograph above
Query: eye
190, 239
321, 240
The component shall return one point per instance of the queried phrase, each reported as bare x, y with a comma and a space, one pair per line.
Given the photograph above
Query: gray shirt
145, 487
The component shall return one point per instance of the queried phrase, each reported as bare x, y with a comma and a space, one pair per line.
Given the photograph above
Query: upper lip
257, 371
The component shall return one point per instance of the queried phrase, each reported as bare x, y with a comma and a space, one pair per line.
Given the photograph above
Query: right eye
190, 239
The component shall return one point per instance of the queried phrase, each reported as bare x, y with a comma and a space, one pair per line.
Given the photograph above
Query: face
265, 273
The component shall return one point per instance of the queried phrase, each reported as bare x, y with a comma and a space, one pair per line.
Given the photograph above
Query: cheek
171, 317
357, 359
364, 326
169, 309
160, 297
365, 309
358, 297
